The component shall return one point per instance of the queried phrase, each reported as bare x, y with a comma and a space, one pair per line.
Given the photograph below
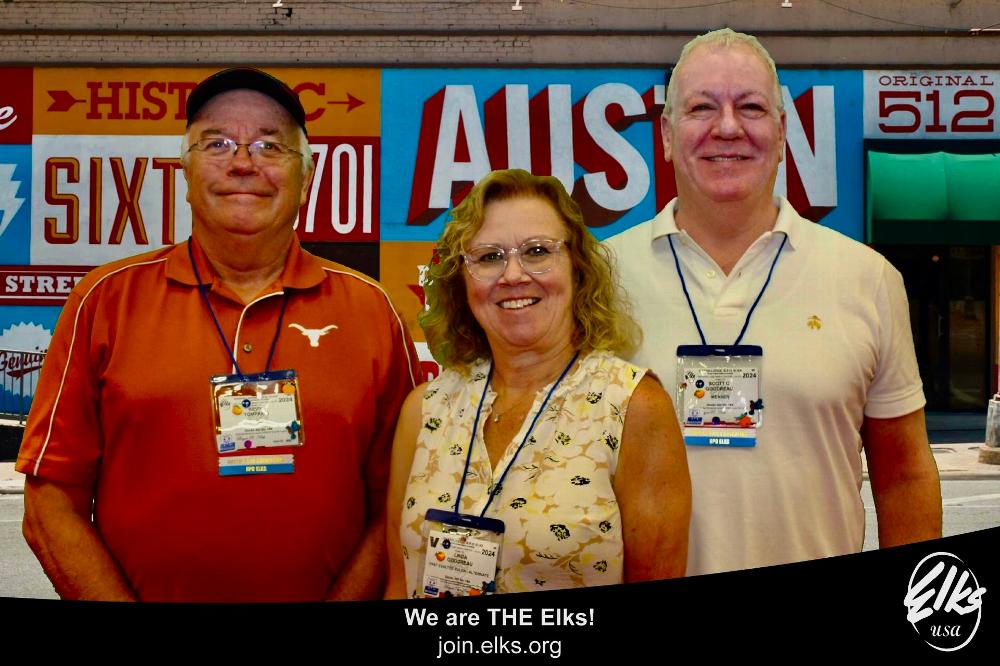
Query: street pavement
958, 462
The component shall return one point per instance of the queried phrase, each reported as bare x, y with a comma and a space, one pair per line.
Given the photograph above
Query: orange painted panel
402, 267
138, 101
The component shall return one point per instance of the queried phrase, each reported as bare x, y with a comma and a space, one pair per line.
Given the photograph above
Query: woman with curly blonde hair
538, 459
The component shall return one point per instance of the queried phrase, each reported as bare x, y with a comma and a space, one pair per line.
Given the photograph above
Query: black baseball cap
250, 79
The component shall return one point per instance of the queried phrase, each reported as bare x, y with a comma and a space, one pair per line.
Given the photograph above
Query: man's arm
58, 527
363, 577
904, 479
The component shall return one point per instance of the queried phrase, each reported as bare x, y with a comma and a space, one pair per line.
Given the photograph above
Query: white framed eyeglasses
536, 256
261, 150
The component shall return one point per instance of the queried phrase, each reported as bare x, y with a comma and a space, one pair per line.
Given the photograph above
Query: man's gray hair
724, 38
303, 147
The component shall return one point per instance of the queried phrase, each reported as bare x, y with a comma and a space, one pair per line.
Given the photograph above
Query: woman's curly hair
601, 312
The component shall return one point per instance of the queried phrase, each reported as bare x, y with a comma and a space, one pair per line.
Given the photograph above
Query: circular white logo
944, 601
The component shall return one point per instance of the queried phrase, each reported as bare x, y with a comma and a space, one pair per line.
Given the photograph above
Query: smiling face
725, 135
520, 311
241, 196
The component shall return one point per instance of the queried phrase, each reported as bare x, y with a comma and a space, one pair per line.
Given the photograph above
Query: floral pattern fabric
563, 527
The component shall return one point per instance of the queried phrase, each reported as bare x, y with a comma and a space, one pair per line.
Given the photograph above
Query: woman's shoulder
452, 384
607, 366
473, 373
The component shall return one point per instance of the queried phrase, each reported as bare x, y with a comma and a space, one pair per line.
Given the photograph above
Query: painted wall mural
90, 167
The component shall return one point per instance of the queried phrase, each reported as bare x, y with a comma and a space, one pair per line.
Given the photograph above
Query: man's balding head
724, 38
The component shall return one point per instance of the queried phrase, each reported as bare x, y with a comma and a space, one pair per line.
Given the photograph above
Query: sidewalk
956, 462
11, 482
960, 462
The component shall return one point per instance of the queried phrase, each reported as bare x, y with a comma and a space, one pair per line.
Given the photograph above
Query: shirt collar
786, 223
302, 270
664, 223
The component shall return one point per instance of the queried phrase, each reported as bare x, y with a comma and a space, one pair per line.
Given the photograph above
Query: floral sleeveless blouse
563, 527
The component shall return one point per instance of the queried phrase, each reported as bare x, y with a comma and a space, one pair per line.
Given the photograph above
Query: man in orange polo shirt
214, 419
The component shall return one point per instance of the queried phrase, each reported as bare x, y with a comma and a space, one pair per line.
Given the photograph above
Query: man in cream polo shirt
825, 368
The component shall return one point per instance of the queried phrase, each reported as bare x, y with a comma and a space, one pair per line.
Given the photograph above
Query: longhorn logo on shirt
314, 334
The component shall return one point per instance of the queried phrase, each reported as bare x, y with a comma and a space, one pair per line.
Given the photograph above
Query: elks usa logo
944, 601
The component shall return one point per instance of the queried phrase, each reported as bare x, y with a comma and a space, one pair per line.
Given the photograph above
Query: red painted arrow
352, 102
62, 100
419, 291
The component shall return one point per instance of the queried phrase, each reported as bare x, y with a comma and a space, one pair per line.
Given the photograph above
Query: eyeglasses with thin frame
262, 150
536, 256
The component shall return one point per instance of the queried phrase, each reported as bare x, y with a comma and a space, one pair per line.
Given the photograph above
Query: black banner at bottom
923, 600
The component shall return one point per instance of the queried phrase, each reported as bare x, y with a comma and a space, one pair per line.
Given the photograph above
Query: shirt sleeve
62, 439
896, 389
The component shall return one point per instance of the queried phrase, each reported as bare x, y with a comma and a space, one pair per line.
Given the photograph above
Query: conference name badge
461, 556
719, 394
256, 411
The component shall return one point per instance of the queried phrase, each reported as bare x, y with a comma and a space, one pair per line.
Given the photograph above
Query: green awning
933, 199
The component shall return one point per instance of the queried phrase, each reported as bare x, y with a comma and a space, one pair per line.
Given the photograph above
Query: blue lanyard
694, 315
475, 429
203, 288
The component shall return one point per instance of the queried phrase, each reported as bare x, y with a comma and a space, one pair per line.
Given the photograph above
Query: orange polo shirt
123, 403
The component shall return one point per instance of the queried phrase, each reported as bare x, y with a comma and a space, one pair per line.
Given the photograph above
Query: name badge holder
256, 411
253, 411
719, 393
462, 555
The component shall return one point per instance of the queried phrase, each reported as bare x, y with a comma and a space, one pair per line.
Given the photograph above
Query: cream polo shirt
834, 326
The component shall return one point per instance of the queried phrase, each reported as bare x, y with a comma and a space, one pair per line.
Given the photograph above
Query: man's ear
187, 181
307, 183
783, 129
665, 136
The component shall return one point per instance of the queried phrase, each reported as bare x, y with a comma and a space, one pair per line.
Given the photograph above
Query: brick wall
487, 32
